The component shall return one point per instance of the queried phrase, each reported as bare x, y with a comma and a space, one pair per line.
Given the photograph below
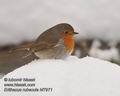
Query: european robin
55, 43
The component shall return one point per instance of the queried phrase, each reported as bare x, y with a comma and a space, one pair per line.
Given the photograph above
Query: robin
55, 43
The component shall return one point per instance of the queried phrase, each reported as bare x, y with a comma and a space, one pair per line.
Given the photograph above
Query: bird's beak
75, 33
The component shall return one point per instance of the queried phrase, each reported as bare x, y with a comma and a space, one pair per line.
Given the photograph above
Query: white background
25, 19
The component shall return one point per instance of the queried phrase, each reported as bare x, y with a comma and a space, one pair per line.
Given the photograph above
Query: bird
55, 43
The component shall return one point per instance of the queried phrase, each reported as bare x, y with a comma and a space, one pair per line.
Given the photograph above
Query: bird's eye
66, 32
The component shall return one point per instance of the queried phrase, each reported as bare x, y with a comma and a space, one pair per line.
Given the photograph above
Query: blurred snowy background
26, 19
97, 21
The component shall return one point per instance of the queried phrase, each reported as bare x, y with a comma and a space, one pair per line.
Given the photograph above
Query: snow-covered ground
70, 77
26, 19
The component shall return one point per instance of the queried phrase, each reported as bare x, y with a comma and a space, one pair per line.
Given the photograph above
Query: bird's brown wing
41, 46
47, 39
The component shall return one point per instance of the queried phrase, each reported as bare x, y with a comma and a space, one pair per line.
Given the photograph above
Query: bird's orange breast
69, 43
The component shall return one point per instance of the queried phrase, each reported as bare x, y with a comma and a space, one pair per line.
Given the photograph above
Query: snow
71, 77
1, 75
26, 19
107, 54
77, 53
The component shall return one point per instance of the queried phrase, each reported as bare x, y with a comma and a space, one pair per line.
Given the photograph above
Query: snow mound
71, 77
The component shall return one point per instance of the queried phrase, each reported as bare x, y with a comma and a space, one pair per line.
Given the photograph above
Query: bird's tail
22, 48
